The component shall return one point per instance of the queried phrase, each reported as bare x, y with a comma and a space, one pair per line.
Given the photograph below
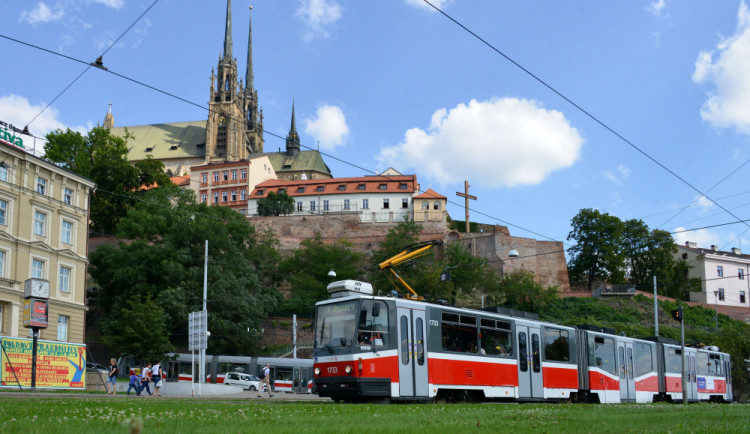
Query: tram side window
673, 362
459, 333
715, 365
602, 353
643, 359
283, 374
495, 338
373, 323
701, 361
556, 347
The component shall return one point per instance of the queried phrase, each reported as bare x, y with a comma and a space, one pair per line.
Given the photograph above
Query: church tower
292, 140
225, 129
253, 116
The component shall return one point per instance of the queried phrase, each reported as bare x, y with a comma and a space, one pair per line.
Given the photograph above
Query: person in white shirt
265, 381
146, 377
156, 375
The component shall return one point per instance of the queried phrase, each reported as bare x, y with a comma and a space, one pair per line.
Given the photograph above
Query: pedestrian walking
112, 377
264, 381
156, 372
135, 383
145, 378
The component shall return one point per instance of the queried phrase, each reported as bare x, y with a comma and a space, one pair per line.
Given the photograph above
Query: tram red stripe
560, 378
648, 384
460, 372
599, 381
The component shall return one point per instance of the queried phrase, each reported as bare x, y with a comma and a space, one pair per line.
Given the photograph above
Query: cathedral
233, 131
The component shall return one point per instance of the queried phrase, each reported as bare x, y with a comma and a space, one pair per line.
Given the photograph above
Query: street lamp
513, 253
331, 273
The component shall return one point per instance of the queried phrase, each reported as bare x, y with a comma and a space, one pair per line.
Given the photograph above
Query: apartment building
229, 183
44, 214
723, 274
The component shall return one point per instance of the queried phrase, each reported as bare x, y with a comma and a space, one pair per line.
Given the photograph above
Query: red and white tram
395, 348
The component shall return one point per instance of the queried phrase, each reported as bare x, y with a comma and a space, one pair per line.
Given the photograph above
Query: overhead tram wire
89, 65
209, 110
582, 110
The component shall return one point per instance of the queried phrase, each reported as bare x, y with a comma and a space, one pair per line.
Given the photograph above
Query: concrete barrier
207, 389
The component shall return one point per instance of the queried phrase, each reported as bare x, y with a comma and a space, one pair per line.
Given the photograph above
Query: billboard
59, 365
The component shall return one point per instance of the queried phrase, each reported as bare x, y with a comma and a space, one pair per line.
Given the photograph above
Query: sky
640, 109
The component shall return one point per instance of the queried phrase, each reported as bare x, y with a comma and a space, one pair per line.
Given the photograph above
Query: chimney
714, 247
691, 244
736, 251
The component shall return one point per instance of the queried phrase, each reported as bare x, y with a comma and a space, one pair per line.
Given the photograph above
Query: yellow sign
59, 365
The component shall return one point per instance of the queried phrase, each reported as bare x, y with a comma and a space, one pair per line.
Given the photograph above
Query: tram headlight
348, 369
317, 371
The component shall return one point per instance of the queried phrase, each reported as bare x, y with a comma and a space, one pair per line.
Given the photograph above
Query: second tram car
394, 348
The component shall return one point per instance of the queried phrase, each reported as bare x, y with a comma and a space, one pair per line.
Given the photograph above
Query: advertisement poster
59, 365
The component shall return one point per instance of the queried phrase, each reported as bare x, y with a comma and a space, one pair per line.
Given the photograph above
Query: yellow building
44, 214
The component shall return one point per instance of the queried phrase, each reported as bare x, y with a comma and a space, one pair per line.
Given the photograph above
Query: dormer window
300, 189
382, 186
149, 149
402, 186
286, 166
282, 190
342, 187
173, 147
361, 187
260, 192
320, 188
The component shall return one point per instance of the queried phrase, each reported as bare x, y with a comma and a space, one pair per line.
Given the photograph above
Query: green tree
597, 253
519, 290
102, 158
162, 255
307, 270
421, 274
139, 331
469, 275
275, 204
648, 253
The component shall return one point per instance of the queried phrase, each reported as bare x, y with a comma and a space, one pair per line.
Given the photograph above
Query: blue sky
395, 83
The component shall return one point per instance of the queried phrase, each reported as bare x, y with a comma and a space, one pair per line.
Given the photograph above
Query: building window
386, 203
684, 256
37, 269
2, 264
4, 212
40, 221
225, 175
404, 203
741, 274
300, 189
312, 205
65, 279
742, 297
720, 271
436, 205
67, 232
243, 173
365, 204
346, 203
242, 195
216, 176
203, 197
382, 186
67, 196
204, 178
260, 192
234, 196
223, 196
216, 197
62, 328
3, 177
402, 186
234, 175
721, 294
361, 187
425, 205
325, 205
320, 188
41, 186
342, 187
299, 206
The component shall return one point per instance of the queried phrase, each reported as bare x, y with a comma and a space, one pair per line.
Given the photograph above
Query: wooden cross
466, 197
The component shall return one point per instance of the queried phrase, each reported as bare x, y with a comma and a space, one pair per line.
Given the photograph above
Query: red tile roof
314, 187
181, 181
430, 194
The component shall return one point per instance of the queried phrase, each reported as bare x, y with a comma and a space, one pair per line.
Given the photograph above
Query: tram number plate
332, 370
434, 322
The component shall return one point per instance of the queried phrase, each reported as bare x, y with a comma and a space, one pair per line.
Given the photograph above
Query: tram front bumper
352, 387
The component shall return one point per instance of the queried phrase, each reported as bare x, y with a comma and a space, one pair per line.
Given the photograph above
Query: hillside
635, 317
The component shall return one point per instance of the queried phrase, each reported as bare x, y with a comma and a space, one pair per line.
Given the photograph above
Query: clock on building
36, 288
222, 120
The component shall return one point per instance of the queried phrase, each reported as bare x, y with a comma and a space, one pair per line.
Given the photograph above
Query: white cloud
622, 173
17, 110
703, 202
319, 15
703, 237
42, 14
503, 142
658, 8
728, 100
114, 4
440, 4
329, 127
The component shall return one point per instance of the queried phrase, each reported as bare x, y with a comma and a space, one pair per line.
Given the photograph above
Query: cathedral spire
249, 72
293, 129
292, 140
228, 32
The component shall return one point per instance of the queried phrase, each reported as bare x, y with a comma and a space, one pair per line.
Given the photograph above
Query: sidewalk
248, 395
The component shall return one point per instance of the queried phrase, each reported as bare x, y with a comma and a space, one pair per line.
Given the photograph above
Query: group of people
138, 383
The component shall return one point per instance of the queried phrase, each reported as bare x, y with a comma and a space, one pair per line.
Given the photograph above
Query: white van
247, 381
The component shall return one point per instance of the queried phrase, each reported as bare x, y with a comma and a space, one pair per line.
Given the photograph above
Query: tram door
412, 355
299, 380
692, 378
625, 362
529, 363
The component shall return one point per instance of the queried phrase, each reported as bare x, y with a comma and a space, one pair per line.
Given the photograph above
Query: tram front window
336, 324
373, 323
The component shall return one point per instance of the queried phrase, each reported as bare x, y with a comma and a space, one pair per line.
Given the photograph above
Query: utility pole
656, 311
466, 197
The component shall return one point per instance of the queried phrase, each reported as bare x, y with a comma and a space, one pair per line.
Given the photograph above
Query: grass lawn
147, 415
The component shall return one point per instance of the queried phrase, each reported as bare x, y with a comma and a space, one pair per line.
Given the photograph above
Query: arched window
425, 205
436, 205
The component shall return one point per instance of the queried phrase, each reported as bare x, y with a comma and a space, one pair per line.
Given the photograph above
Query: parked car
247, 381
93, 367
